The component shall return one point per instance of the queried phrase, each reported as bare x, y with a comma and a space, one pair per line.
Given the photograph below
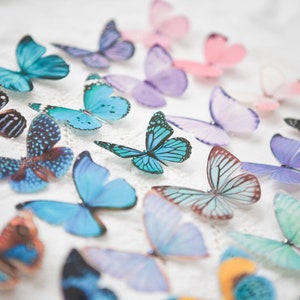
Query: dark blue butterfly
80, 219
32, 65
99, 106
159, 147
111, 48
43, 161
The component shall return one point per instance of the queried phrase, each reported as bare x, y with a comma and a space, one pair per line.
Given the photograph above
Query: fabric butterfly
111, 48
21, 251
226, 188
80, 281
32, 65
12, 123
284, 254
287, 152
90, 181
159, 148
99, 106
218, 56
295, 123
229, 117
170, 238
162, 79
43, 162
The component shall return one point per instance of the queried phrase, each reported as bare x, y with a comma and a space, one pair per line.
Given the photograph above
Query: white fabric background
268, 29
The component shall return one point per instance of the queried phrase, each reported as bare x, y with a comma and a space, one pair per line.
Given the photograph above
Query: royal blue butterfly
43, 162
111, 48
90, 181
159, 148
32, 64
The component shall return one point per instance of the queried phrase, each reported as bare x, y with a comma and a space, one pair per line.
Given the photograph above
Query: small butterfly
99, 106
226, 188
90, 181
295, 123
287, 152
12, 123
21, 251
159, 148
229, 117
111, 48
170, 238
218, 56
32, 65
80, 281
284, 254
162, 79
43, 161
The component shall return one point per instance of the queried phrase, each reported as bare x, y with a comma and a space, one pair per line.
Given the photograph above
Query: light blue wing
8, 166
232, 252
22, 253
15, 81
148, 164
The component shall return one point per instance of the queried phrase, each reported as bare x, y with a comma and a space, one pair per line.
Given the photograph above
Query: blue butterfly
32, 65
159, 147
99, 106
43, 162
80, 219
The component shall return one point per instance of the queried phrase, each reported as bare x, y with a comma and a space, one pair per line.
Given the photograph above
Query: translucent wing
148, 164
295, 123
73, 51
96, 60
15, 81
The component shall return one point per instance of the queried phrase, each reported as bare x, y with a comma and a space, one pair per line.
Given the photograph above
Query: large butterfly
43, 162
162, 79
284, 254
218, 56
287, 152
111, 48
229, 117
99, 106
226, 188
12, 123
295, 123
90, 181
170, 238
32, 65
159, 148
21, 251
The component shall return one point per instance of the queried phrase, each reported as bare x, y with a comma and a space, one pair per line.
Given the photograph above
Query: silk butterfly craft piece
170, 239
43, 162
287, 152
162, 79
21, 251
33, 65
95, 193
227, 188
111, 48
229, 117
218, 56
160, 148
99, 107
166, 26
284, 254
295, 123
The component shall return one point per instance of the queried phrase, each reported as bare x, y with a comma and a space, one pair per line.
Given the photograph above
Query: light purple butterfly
287, 152
162, 79
229, 117
170, 238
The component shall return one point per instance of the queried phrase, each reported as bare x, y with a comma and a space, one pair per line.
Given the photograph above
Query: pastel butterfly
43, 161
99, 106
167, 27
12, 123
111, 48
81, 218
284, 254
21, 251
228, 115
32, 65
170, 238
218, 56
159, 147
227, 188
287, 152
80, 281
295, 123
162, 79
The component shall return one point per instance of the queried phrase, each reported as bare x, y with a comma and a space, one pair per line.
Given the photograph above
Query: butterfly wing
15, 81
295, 123
8, 166
12, 123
